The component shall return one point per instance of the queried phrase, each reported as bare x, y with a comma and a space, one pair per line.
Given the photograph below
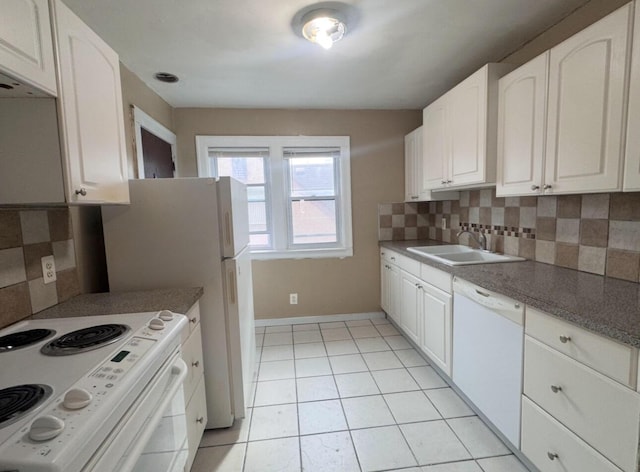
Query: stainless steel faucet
481, 239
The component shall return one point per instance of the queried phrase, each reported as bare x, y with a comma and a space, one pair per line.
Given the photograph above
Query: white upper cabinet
26, 48
412, 165
436, 161
585, 126
521, 128
416, 188
91, 115
632, 160
460, 132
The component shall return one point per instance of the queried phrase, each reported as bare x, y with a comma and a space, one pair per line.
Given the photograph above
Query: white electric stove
93, 394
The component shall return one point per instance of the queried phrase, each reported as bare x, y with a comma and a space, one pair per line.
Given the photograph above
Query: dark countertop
177, 300
606, 306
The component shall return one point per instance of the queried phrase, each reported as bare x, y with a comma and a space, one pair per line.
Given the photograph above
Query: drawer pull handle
556, 388
194, 320
200, 420
565, 339
552, 456
482, 293
196, 364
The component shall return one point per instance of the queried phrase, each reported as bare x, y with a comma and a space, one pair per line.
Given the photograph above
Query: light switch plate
48, 269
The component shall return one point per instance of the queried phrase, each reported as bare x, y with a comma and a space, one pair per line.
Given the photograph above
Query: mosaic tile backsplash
25, 237
597, 233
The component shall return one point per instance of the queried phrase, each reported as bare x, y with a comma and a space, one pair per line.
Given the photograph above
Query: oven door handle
179, 370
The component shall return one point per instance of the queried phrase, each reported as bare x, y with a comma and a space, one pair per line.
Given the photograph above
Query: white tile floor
351, 397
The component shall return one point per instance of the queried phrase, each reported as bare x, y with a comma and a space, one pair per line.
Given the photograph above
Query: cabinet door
384, 286
410, 288
435, 330
632, 158
521, 127
91, 114
411, 165
393, 274
586, 104
467, 129
26, 44
434, 155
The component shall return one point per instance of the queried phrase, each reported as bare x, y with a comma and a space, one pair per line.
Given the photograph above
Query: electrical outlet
293, 299
48, 269
444, 223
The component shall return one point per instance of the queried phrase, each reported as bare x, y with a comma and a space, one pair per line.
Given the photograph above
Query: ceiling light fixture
324, 27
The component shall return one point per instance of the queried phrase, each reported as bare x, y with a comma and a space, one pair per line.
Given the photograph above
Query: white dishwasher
488, 336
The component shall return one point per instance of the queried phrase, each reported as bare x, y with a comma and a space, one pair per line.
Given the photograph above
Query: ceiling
401, 54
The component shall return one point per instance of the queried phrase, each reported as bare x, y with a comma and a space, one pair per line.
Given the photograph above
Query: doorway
155, 147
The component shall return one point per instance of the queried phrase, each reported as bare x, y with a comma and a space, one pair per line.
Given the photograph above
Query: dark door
156, 153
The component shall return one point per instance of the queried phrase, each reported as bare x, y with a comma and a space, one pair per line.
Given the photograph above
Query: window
298, 188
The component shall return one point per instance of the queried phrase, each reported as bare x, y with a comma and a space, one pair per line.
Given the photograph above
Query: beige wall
572, 24
136, 92
324, 286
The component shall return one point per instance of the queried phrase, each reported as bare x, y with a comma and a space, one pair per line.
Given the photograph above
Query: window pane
260, 240
256, 194
314, 221
248, 170
312, 176
257, 217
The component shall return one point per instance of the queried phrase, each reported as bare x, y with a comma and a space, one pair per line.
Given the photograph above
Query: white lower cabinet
410, 304
196, 421
579, 403
390, 290
417, 297
435, 329
194, 390
553, 448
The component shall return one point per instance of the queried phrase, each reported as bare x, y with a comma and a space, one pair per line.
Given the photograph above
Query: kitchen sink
457, 254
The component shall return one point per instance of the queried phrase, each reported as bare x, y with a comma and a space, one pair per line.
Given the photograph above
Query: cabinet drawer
543, 437
602, 412
194, 316
405, 263
192, 356
436, 277
196, 421
608, 357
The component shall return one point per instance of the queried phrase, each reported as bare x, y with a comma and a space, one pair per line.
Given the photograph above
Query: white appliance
194, 232
93, 393
488, 337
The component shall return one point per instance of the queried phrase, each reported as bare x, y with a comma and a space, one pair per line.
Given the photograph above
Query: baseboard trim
320, 319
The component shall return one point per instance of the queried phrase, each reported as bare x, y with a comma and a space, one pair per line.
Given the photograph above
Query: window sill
265, 255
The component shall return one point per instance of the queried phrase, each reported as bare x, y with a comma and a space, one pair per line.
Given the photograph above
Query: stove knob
77, 398
156, 324
165, 315
46, 427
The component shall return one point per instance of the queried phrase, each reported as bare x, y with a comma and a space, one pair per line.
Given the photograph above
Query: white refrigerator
194, 232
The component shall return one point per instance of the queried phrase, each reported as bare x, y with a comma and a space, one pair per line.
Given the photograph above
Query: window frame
276, 172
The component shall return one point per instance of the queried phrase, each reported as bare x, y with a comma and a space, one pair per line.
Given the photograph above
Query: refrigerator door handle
232, 288
227, 227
